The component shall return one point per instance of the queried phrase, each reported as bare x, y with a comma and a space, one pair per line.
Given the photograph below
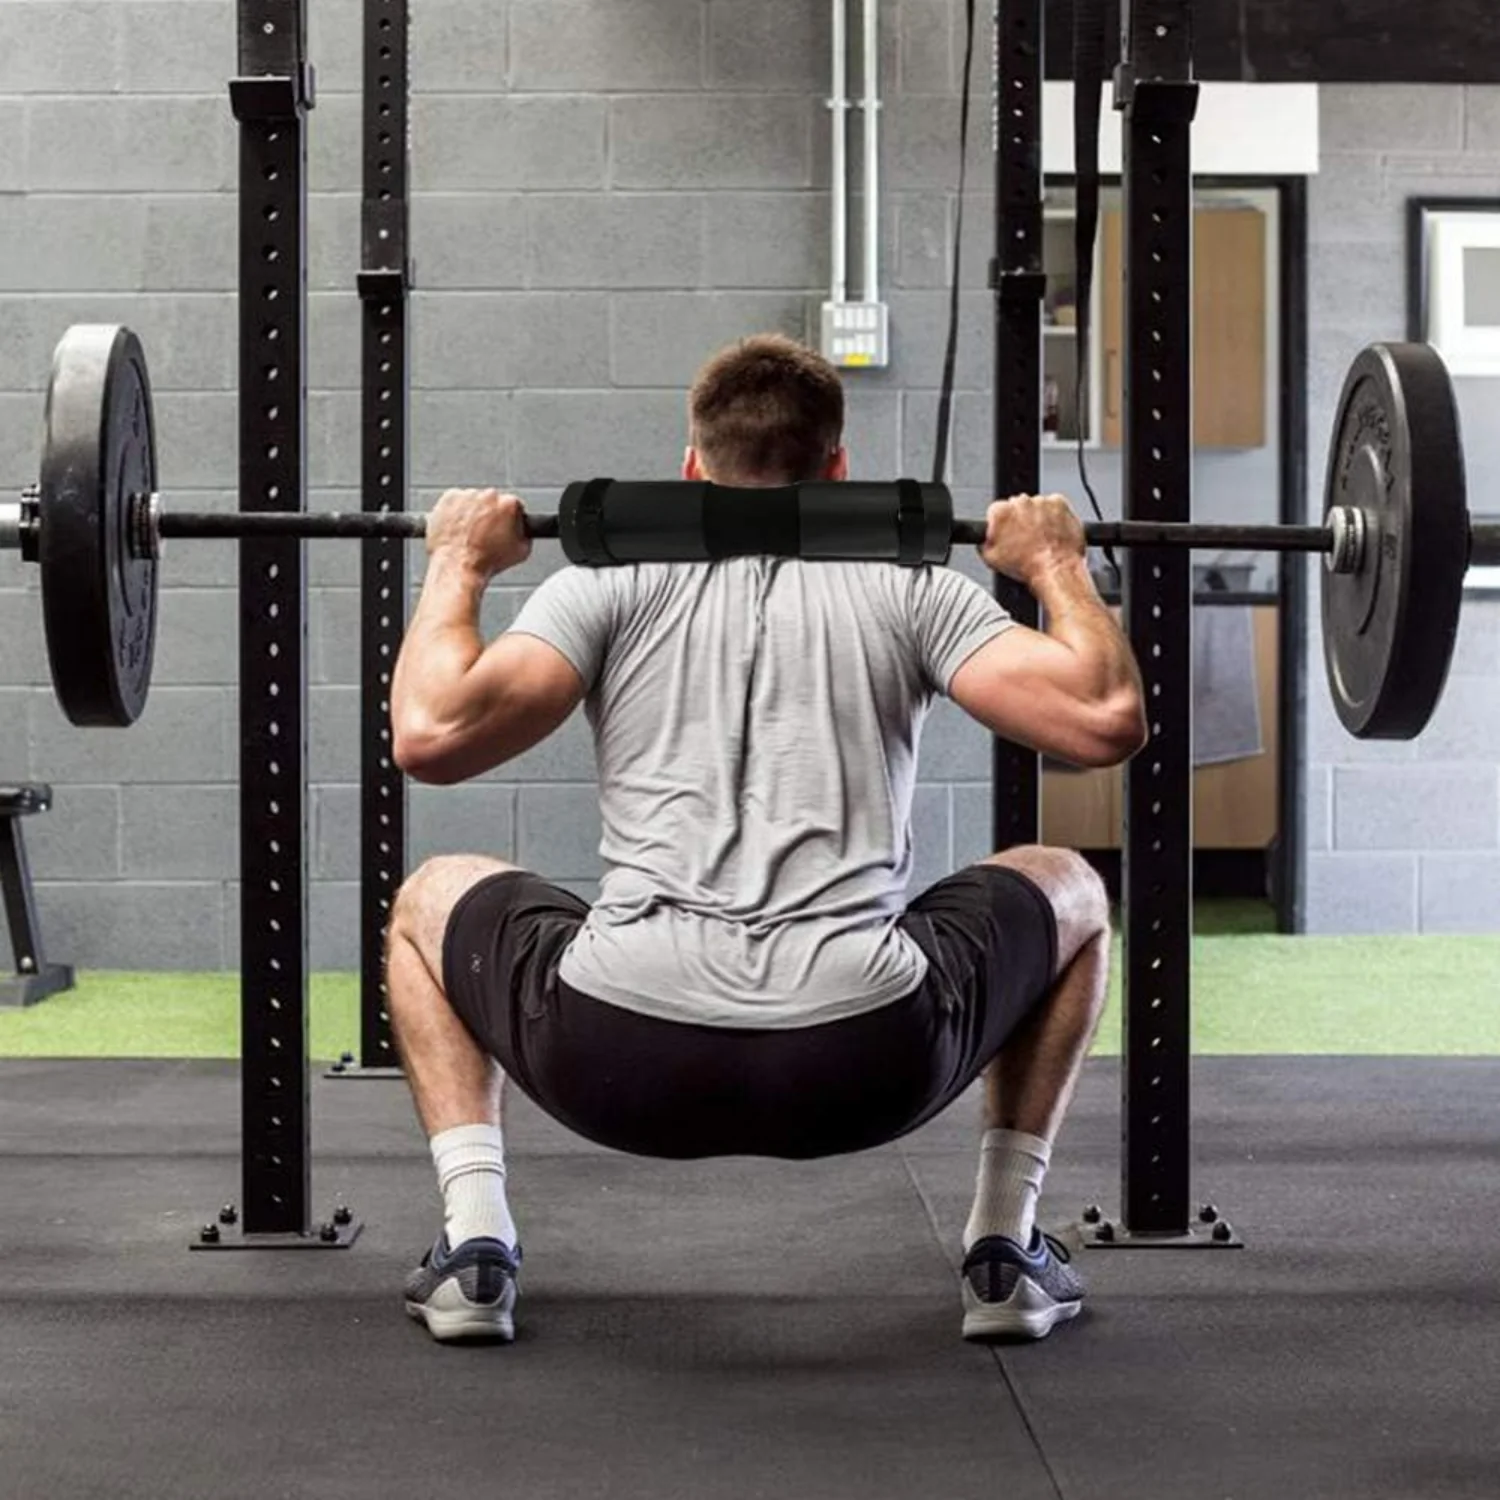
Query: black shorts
677, 1089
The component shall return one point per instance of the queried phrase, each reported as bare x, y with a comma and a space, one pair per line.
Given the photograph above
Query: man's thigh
429, 895
991, 940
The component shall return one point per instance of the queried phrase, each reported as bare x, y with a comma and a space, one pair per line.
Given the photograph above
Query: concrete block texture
15, 738
1346, 201
973, 823
612, 241
929, 48
491, 143
58, 47
180, 46
61, 243
1391, 117
190, 242
180, 832
14, 124
603, 46
558, 830
774, 48
1361, 893
712, 142
459, 46
469, 242
1416, 807
189, 340
23, 656
114, 145
197, 637
1476, 653
79, 836
335, 43
767, 240
1459, 892
662, 338
120, 924
184, 736
932, 837
559, 436
1482, 119
483, 340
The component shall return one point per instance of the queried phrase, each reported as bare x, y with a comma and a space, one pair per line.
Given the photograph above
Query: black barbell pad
655, 521
911, 523
868, 521
580, 523
604, 522
743, 523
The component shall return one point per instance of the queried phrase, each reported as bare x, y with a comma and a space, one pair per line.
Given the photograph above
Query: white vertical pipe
872, 150
838, 107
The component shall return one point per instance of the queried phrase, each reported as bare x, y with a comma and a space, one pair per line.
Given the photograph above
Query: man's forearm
1077, 618
443, 637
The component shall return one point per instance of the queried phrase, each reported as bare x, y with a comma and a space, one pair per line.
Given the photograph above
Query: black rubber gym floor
746, 1328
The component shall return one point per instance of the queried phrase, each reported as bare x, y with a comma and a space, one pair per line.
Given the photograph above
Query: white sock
470, 1162
1011, 1168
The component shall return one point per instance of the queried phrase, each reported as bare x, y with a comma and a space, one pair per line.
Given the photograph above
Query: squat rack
1155, 92
271, 99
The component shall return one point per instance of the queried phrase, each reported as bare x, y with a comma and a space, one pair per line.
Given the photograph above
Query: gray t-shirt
756, 725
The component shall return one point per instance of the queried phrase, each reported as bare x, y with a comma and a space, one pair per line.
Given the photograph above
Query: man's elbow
1117, 730
423, 755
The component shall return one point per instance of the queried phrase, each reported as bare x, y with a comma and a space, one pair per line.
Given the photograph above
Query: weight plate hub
98, 596
1389, 626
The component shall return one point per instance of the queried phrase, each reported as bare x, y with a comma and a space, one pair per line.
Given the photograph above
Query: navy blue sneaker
1022, 1294
468, 1293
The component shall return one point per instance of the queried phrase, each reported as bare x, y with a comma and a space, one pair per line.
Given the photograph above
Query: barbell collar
1484, 545
12, 522
1349, 532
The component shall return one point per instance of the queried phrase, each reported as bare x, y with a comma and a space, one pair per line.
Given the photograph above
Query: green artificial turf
1254, 992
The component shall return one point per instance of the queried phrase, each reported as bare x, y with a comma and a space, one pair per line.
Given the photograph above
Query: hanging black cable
1089, 62
950, 355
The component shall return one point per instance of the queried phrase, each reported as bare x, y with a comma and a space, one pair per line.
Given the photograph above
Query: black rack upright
1155, 92
385, 280
1019, 283
270, 100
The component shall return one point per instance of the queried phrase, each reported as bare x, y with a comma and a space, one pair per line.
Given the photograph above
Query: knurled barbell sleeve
1484, 549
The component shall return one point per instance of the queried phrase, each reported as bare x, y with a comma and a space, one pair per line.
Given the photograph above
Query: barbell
1397, 538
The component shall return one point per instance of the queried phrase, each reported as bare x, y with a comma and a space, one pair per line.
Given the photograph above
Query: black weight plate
1389, 628
98, 599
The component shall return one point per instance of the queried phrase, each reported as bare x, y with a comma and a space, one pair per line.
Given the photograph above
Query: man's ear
838, 465
691, 467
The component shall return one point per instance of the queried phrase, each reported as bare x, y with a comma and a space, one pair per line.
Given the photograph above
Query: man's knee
427, 896
1076, 891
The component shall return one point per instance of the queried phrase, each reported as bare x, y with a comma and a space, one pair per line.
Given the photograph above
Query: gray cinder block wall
604, 190
1401, 837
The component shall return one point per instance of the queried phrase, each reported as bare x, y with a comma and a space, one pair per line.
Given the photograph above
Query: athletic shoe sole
1028, 1313
451, 1318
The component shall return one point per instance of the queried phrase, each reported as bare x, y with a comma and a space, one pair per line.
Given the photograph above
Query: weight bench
34, 978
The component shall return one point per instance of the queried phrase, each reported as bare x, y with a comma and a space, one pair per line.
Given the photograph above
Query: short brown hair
766, 410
